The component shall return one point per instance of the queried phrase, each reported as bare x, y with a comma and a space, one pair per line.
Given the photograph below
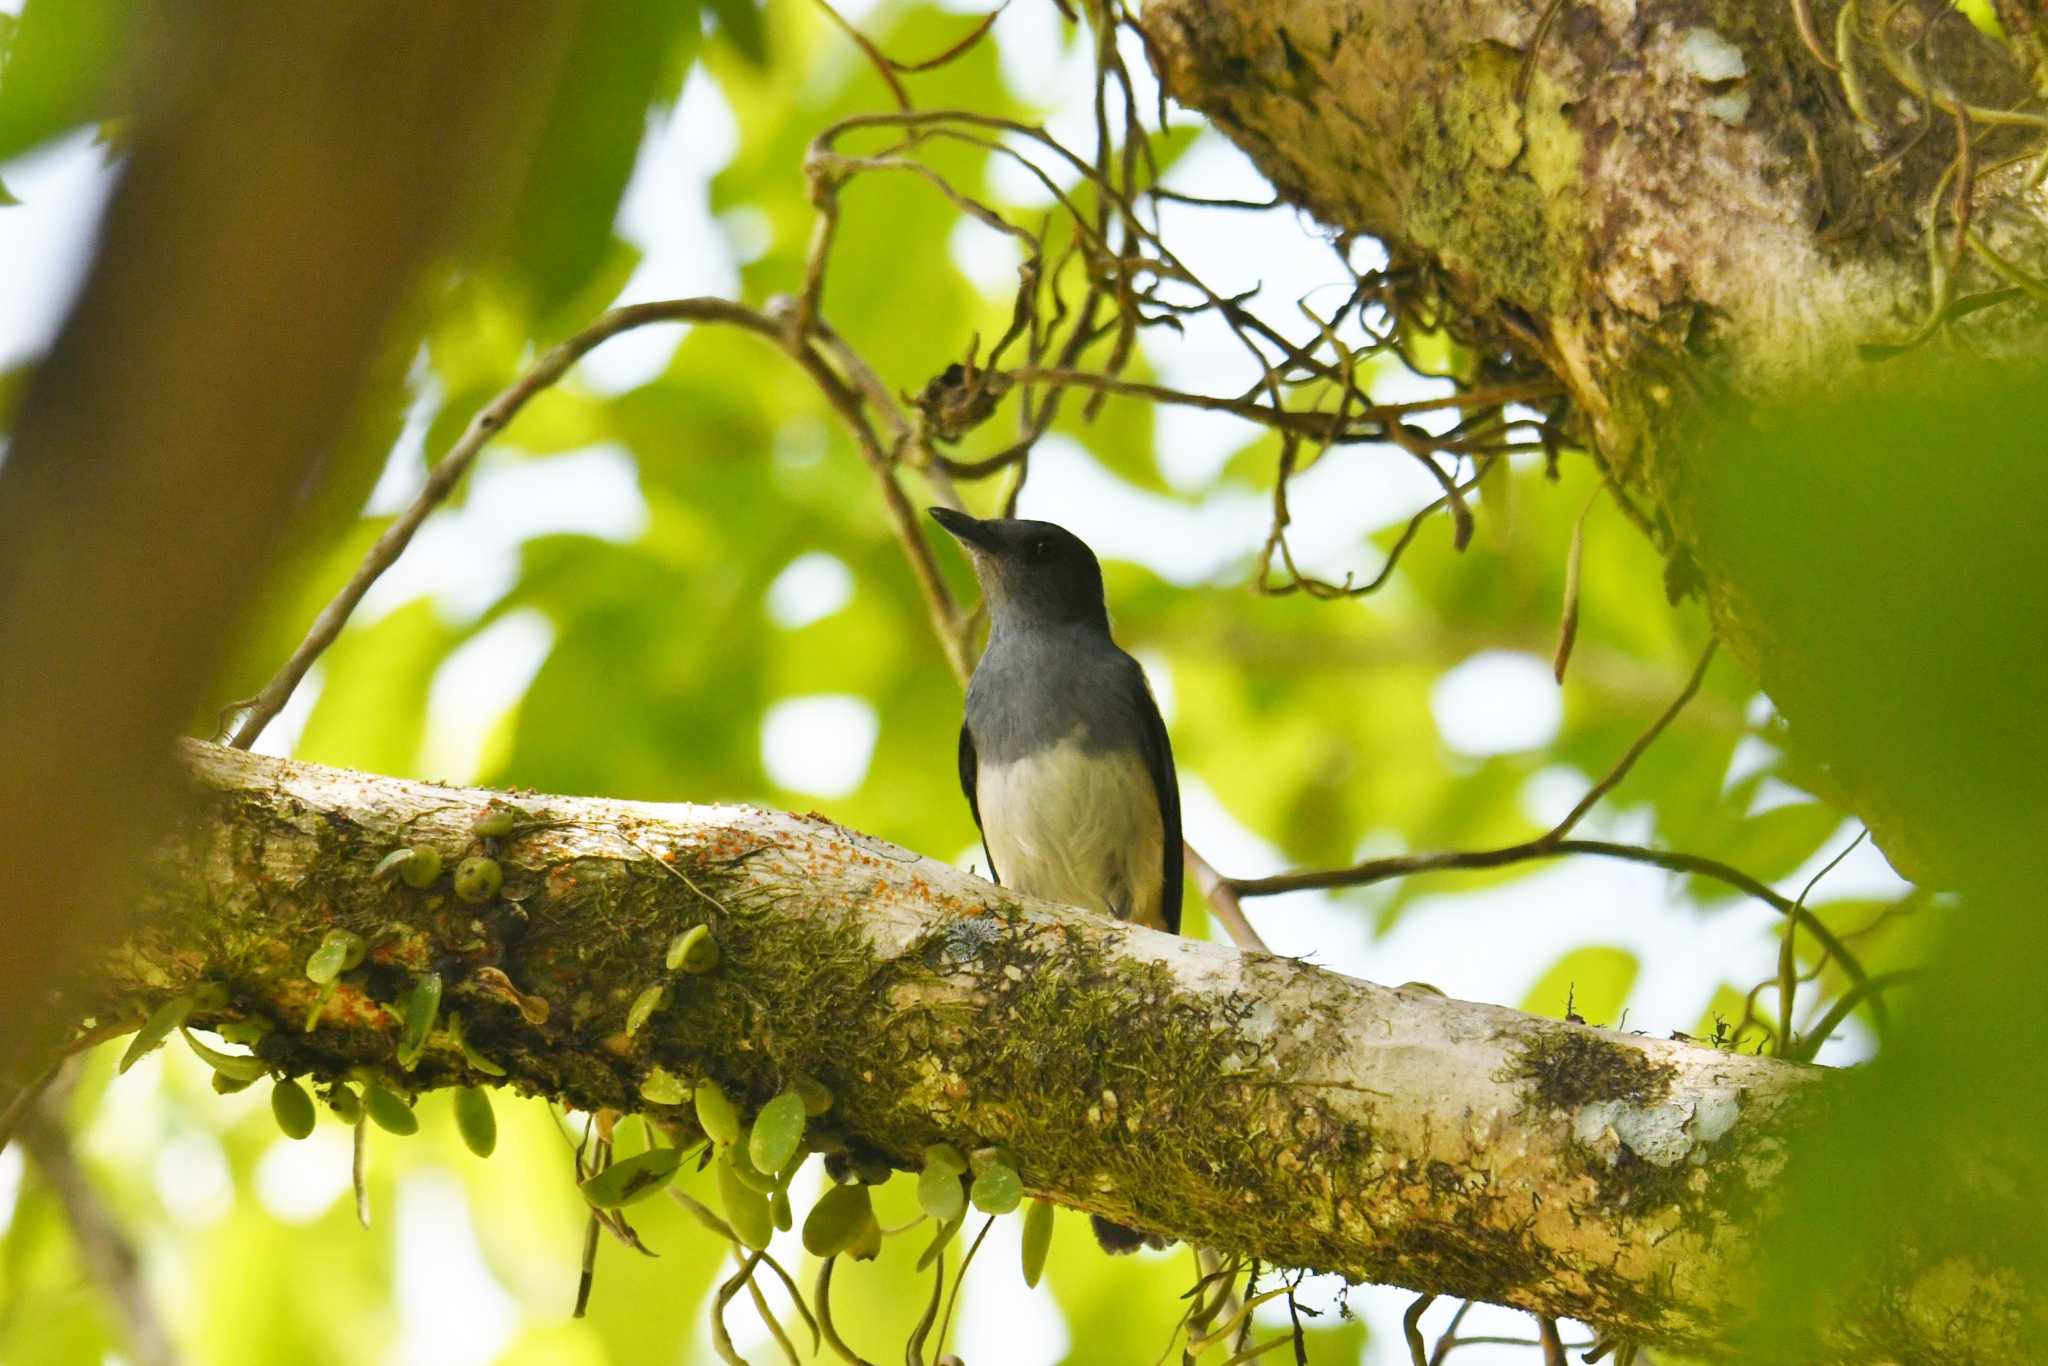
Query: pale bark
1670, 206
1241, 1101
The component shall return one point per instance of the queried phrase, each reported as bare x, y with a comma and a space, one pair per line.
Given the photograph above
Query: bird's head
1033, 573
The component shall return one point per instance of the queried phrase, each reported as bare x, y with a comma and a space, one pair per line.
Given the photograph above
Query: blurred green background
671, 580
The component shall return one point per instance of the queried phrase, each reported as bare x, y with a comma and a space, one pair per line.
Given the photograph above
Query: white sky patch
748, 232
192, 1179
1159, 674
1497, 702
1043, 66
819, 744
452, 1310
998, 1312
298, 1180
475, 686
1231, 251
467, 557
47, 239
985, 256
1753, 755
281, 737
1183, 543
1865, 872
810, 588
666, 212
10, 1184
1773, 793
405, 468
1549, 794
1524, 925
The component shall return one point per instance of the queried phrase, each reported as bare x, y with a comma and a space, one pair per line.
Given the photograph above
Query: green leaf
940, 1192
742, 23
998, 1190
750, 1176
343, 1100
318, 1007
478, 878
64, 67
1037, 1240
836, 1219
475, 1120
422, 1009
470, 1054
693, 951
421, 866
746, 1209
947, 1156
389, 1111
635, 1178
778, 1130
372, 711
623, 58
662, 1087
165, 1018
715, 1113
240, 1067
944, 1234
650, 999
292, 1108
1595, 980
339, 951
817, 1099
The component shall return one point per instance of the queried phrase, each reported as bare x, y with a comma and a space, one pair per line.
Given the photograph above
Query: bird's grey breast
1068, 805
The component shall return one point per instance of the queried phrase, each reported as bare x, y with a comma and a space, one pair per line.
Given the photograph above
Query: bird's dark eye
1041, 548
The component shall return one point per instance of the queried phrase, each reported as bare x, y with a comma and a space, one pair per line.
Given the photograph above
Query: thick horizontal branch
1241, 1101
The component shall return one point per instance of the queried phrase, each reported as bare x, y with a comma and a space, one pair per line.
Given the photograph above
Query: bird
1064, 758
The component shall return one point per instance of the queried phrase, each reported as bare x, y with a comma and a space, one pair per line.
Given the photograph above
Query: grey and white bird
1063, 756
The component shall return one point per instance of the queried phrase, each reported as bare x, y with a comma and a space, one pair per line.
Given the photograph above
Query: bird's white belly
1076, 827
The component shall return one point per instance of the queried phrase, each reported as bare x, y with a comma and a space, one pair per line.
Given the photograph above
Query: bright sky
1491, 947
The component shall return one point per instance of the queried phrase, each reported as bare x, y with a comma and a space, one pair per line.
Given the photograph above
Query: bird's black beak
969, 531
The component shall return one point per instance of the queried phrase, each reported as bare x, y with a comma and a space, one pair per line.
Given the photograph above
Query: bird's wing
1158, 752
967, 784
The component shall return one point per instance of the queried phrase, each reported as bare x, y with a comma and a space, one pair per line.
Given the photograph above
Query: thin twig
1333, 426
1448, 1339
1869, 989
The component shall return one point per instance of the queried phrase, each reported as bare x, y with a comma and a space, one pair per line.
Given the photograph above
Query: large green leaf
64, 63
624, 58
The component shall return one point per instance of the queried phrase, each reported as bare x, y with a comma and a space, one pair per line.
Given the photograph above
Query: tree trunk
1245, 1102
1679, 210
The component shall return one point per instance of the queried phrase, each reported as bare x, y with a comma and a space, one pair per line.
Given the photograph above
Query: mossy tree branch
1685, 213
1240, 1101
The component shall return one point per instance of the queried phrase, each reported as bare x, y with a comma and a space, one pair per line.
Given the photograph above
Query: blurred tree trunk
1249, 1103
1681, 211
290, 170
